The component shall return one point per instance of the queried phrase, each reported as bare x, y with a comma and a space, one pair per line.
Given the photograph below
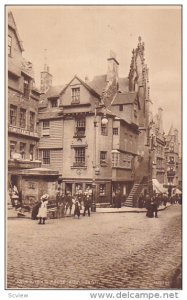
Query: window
102, 189
12, 148
104, 129
115, 131
171, 159
121, 107
22, 150
26, 90
80, 127
22, 118
32, 120
46, 157
46, 128
103, 157
54, 103
76, 95
31, 152
13, 115
127, 159
9, 45
79, 156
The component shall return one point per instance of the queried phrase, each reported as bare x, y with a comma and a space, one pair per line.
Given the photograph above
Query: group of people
64, 205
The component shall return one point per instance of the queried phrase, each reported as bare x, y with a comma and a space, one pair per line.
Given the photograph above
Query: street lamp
96, 171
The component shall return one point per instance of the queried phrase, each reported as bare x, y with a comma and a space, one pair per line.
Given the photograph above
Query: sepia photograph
93, 101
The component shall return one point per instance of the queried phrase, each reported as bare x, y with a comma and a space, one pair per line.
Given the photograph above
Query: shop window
32, 120
102, 189
22, 118
79, 157
80, 127
75, 95
13, 115
115, 131
22, 150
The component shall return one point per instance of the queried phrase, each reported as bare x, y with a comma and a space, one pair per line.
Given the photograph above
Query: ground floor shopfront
104, 189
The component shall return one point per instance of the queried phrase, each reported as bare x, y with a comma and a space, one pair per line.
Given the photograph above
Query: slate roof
124, 98
99, 83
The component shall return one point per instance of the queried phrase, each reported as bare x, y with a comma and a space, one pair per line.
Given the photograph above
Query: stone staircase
135, 192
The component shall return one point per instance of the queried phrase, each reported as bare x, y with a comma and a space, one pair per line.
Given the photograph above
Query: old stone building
22, 110
95, 132
173, 172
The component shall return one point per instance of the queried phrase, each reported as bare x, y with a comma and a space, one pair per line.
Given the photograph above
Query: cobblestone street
121, 251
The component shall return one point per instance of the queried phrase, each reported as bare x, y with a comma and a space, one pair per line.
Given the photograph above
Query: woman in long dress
42, 213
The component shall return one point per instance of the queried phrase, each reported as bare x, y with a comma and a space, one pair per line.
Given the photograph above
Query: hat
45, 197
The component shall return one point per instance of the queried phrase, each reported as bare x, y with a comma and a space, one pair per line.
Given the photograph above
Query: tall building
87, 150
173, 176
45, 79
23, 137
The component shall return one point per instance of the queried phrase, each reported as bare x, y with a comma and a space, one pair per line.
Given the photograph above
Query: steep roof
99, 83
54, 91
124, 98
12, 24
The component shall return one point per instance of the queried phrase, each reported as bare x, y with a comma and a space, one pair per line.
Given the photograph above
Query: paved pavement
121, 251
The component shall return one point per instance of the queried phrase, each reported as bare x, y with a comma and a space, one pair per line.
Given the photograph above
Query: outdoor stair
135, 193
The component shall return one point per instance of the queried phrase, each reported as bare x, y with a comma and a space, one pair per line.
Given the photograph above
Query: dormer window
26, 87
54, 102
76, 95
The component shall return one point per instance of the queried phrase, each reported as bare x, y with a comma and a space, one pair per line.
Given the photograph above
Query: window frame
46, 157
32, 117
80, 127
75, 95
114, 130
80, 157
22, 149
22, 113
13, 108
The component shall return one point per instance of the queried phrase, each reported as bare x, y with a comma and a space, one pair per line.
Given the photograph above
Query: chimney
113, 65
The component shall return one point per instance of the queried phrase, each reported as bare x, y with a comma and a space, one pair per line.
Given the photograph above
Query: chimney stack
113, 65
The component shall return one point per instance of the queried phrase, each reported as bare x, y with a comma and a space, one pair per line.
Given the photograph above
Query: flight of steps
135, 191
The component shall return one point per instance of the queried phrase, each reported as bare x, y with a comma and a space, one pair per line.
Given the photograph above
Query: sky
78, 40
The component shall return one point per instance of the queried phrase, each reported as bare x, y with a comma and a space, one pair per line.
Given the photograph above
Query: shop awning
158, 187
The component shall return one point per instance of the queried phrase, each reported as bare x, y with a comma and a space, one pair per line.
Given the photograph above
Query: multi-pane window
103, 157
26, 90
79, 156
31, 152
76, 95
22, 118
12, 148
46, 157
22, 150
115, 131
102, 189
80, 127
32, 120
13, 115
46, 127
9, 45
104, 129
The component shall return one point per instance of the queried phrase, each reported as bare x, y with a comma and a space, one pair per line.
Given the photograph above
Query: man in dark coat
87, 205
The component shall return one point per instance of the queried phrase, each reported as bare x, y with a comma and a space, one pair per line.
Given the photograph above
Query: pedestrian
113, 199
69, 202
77, 208
141, 201
35, 210
87, 205
118, 199
149, 206
42, 213
155, 206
